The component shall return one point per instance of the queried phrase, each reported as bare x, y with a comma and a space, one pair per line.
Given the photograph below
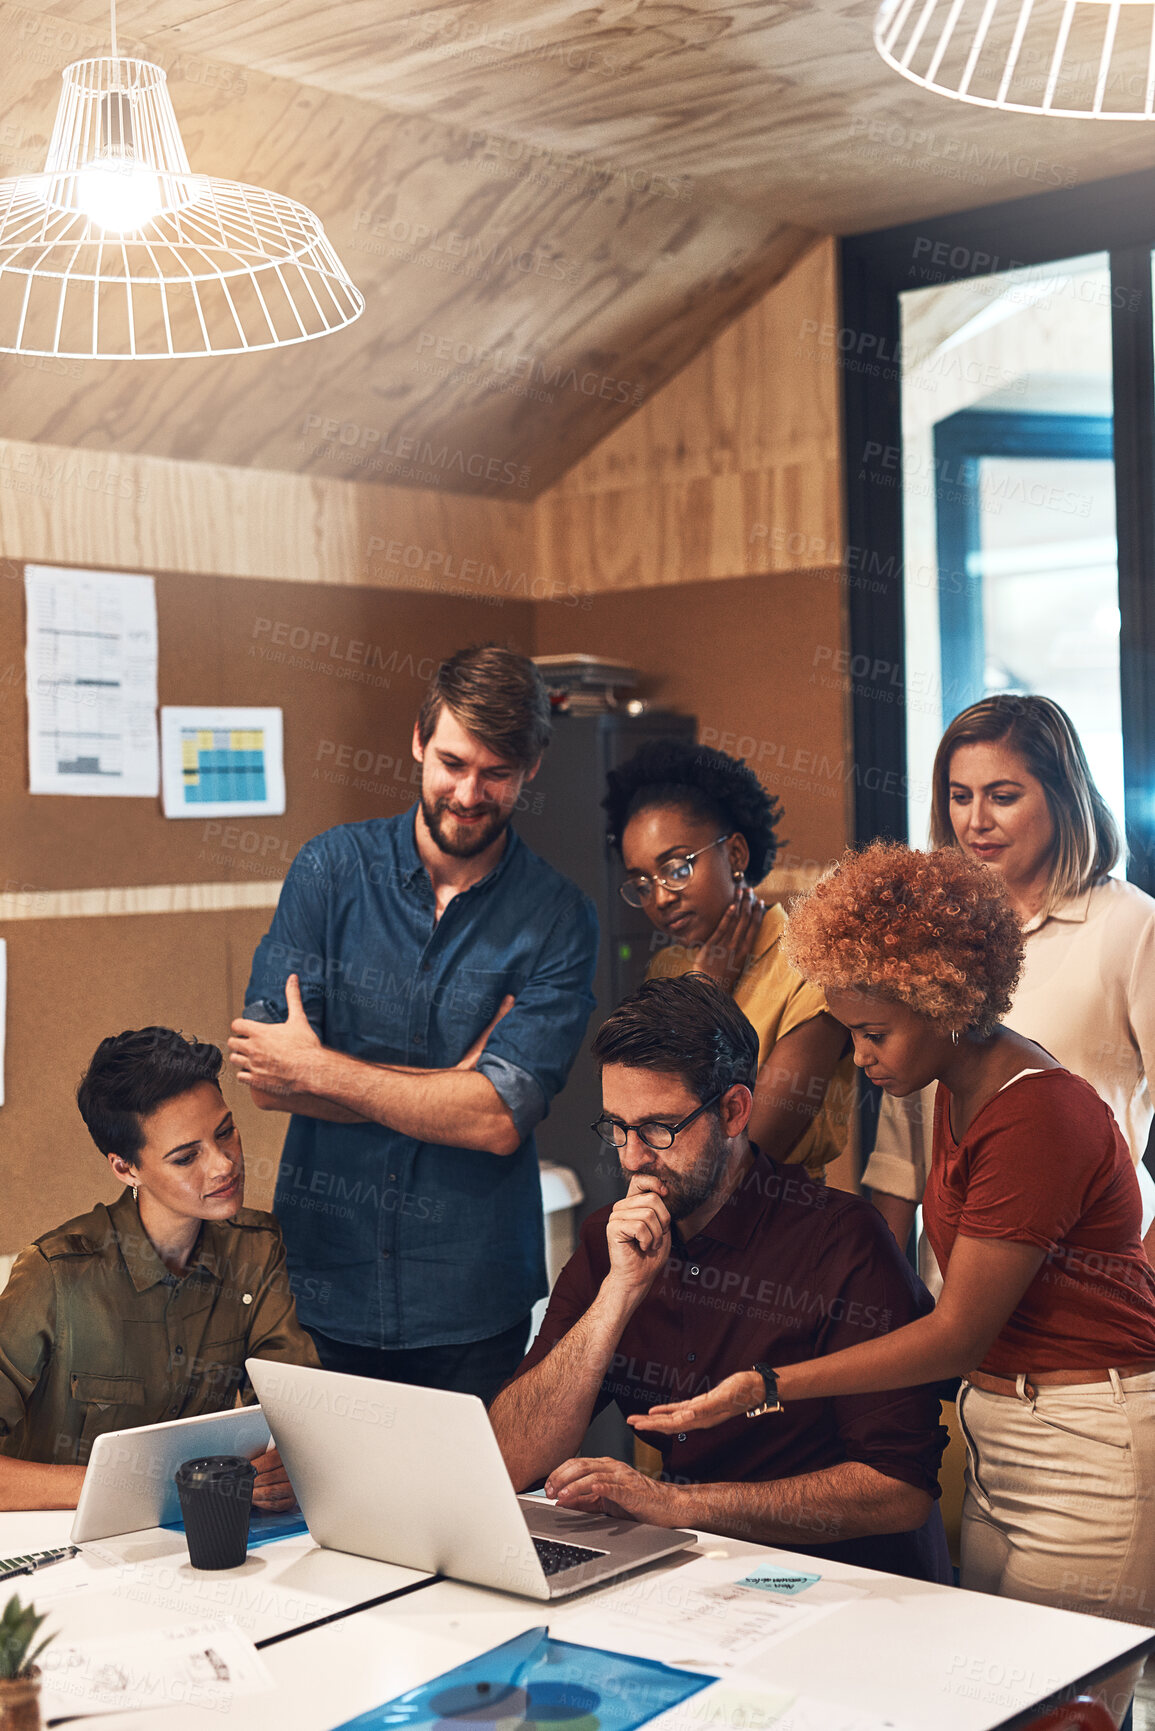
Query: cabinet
562, 820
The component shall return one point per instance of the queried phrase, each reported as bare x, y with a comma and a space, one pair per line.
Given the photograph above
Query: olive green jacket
96, 1334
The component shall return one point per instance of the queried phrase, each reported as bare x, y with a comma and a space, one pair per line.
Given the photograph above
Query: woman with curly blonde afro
932, 931
1048, 1302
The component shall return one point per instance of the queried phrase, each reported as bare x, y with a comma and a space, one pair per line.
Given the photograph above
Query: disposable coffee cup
216, 1499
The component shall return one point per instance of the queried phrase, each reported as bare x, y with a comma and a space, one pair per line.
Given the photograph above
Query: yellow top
776, 999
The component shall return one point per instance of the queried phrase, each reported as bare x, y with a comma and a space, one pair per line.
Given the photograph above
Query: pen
29, 1565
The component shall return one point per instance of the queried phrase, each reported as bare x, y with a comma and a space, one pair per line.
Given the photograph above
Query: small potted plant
19, 1675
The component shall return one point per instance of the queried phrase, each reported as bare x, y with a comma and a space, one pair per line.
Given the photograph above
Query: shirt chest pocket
90, 1388
109, 1402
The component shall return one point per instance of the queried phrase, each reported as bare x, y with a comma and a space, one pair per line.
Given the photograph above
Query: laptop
414, 1476
129, 1483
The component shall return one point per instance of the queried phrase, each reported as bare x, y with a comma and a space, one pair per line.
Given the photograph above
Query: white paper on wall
91, 658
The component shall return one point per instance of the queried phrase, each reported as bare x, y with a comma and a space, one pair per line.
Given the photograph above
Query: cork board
347, 665
755, 659
71, 982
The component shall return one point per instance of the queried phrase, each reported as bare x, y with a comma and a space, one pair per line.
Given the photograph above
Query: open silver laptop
129, 1482
414, 1476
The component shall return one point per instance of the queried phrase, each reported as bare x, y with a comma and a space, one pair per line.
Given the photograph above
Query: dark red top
1044, 1162
787, 1270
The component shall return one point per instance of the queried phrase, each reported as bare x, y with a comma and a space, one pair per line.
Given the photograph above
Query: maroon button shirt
787, 1270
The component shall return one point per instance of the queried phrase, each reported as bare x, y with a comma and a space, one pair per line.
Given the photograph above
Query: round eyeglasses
674, 875
653, 1134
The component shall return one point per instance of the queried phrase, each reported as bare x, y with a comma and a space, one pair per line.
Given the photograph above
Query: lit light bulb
118, 194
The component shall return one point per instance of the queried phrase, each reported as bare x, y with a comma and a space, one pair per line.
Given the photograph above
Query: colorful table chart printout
222, 762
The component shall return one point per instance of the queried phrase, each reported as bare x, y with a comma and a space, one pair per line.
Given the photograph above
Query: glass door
1010, 577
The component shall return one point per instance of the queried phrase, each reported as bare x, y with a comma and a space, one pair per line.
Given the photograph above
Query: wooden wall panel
71, 982
758, 396
746, 656
733, 468
68, 506
347, 665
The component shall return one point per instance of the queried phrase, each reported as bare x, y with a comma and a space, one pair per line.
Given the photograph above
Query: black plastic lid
214, 1470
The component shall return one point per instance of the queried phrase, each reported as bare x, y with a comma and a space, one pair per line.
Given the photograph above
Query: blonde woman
1011, 788
1048, 1301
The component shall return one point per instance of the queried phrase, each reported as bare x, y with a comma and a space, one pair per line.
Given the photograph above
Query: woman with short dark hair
146, 1309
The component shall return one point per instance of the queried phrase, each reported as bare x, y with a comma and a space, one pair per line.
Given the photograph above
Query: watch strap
770, 1401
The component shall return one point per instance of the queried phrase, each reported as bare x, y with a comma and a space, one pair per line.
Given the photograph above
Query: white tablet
129, 1483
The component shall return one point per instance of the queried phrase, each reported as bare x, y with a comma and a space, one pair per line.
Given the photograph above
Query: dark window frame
1115, 216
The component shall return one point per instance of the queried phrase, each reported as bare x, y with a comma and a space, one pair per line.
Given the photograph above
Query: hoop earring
953, 1041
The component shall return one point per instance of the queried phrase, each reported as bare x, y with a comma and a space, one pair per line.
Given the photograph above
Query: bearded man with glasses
719, 1256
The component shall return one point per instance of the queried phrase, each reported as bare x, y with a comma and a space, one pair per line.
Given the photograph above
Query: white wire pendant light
119, 251
1075, 59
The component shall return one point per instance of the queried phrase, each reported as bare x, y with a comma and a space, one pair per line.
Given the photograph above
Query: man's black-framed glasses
674, 875
653, 1134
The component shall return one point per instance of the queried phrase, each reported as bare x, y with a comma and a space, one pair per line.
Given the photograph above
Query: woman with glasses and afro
697, 833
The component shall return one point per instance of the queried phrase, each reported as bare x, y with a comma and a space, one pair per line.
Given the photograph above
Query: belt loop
1117, 1385
1025, 1391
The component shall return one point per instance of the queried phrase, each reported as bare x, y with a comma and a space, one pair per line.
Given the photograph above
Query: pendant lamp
119, 251
1075, 59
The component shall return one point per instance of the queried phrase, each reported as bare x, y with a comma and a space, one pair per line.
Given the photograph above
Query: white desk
144, 1580
932, 1658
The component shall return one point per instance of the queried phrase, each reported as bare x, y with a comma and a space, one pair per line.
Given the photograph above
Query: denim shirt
395, 1243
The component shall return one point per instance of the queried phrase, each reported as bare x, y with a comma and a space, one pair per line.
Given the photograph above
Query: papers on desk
729, 1705
770, 1579
201, 1665
686, 1621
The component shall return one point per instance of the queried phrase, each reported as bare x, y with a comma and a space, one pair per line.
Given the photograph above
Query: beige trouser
1060, 1496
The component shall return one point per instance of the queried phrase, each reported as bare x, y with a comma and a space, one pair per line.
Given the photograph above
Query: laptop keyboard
555, 1557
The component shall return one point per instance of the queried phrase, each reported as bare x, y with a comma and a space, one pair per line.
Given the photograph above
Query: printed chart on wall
222, 762
91, 682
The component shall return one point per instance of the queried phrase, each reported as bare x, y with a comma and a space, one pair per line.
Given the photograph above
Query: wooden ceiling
550, 208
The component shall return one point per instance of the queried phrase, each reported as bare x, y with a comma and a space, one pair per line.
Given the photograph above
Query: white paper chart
91, 678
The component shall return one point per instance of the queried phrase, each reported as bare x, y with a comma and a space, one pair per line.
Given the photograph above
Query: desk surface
145, 1579
915, 1654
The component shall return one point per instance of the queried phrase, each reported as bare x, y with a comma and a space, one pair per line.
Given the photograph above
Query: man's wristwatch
770, 1401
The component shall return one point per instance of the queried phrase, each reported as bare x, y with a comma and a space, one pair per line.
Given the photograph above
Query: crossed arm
288, 1070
